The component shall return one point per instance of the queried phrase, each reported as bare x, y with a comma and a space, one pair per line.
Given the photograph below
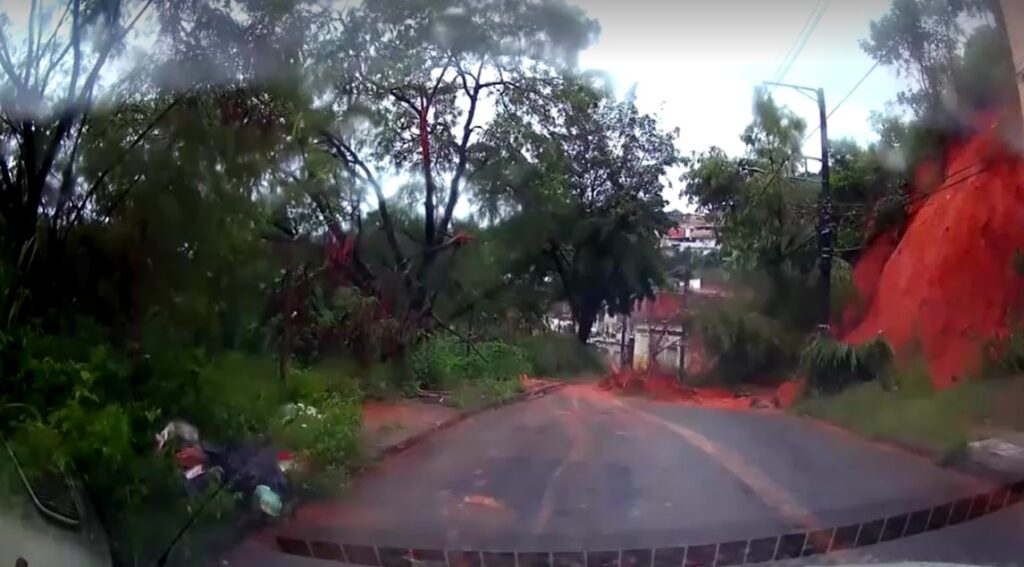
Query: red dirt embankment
949, 283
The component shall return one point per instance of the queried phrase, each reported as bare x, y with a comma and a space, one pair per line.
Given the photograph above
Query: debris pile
667, 387
653, 385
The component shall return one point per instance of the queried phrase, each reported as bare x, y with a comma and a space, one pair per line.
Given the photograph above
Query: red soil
657, 386
949, 283
665, 387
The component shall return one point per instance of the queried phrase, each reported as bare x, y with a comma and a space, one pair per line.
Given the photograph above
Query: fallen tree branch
468, 342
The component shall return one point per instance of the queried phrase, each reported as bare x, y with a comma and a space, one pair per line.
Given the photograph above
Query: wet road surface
583, 469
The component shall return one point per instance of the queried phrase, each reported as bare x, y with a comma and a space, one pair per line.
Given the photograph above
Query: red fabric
190, 457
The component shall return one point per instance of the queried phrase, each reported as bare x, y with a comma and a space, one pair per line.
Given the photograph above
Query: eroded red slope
949, 283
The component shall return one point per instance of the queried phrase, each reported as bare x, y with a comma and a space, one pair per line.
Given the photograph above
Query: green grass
474, 394
915, 415
831, 366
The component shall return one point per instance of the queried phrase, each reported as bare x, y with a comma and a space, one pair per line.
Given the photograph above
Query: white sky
696, 63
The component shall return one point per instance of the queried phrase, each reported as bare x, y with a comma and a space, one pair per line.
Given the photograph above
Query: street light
766, 172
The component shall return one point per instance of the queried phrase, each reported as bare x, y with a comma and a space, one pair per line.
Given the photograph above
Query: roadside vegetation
194, 226
912, 413
766, 206
197, 222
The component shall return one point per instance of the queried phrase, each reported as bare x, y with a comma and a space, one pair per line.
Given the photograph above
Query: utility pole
826, 230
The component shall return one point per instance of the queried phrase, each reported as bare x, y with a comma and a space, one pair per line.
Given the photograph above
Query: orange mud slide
667, 388
949, 283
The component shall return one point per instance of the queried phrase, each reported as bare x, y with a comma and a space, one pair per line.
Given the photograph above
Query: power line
792, 48
806, 38
813, 19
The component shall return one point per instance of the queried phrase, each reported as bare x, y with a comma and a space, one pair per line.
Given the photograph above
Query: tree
84, 185
764, 207
579, 177
868, 193
406, 86
955, 52
50, 84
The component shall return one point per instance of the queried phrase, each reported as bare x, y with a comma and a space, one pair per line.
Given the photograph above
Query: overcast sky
696, 63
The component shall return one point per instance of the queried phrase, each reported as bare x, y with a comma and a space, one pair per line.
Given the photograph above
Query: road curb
418, 438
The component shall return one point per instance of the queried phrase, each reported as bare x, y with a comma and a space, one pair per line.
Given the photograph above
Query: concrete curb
418, 438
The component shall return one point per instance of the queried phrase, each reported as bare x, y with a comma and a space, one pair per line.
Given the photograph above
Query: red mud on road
668, 388
949, 283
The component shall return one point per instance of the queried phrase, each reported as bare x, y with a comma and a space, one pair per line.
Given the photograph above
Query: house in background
659, 330
559, 318
692, 232
657, 334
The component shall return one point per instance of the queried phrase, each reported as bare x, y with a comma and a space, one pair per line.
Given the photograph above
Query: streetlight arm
802, 90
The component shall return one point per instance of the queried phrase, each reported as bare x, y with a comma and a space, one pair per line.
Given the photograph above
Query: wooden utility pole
825, 223
826, 228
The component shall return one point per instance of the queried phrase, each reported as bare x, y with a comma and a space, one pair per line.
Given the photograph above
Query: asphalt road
582, 469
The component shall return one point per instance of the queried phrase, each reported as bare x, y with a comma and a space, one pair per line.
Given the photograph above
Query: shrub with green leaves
831, 366
560, 355
748, 347
444, 362
474, 374
324, 428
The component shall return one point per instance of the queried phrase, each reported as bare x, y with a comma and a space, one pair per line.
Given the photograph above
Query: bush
831, 366
554, 355
747, 347
325, 430
95, 410
487, 371
443, 362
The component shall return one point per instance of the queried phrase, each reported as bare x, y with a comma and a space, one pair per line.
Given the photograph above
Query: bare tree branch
116, 202
123, 156
468, 342
358, 169
462, 150
29, 55
60, 22
404, 99
76, 42
7, 62
437, 83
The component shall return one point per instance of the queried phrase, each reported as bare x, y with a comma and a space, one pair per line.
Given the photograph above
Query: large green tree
406, 88
764, 207
954, 52
578, 179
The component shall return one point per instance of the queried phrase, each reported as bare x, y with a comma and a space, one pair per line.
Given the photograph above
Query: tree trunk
287, 329
585, 324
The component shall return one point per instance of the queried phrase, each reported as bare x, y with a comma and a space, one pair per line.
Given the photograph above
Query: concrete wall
640, 350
